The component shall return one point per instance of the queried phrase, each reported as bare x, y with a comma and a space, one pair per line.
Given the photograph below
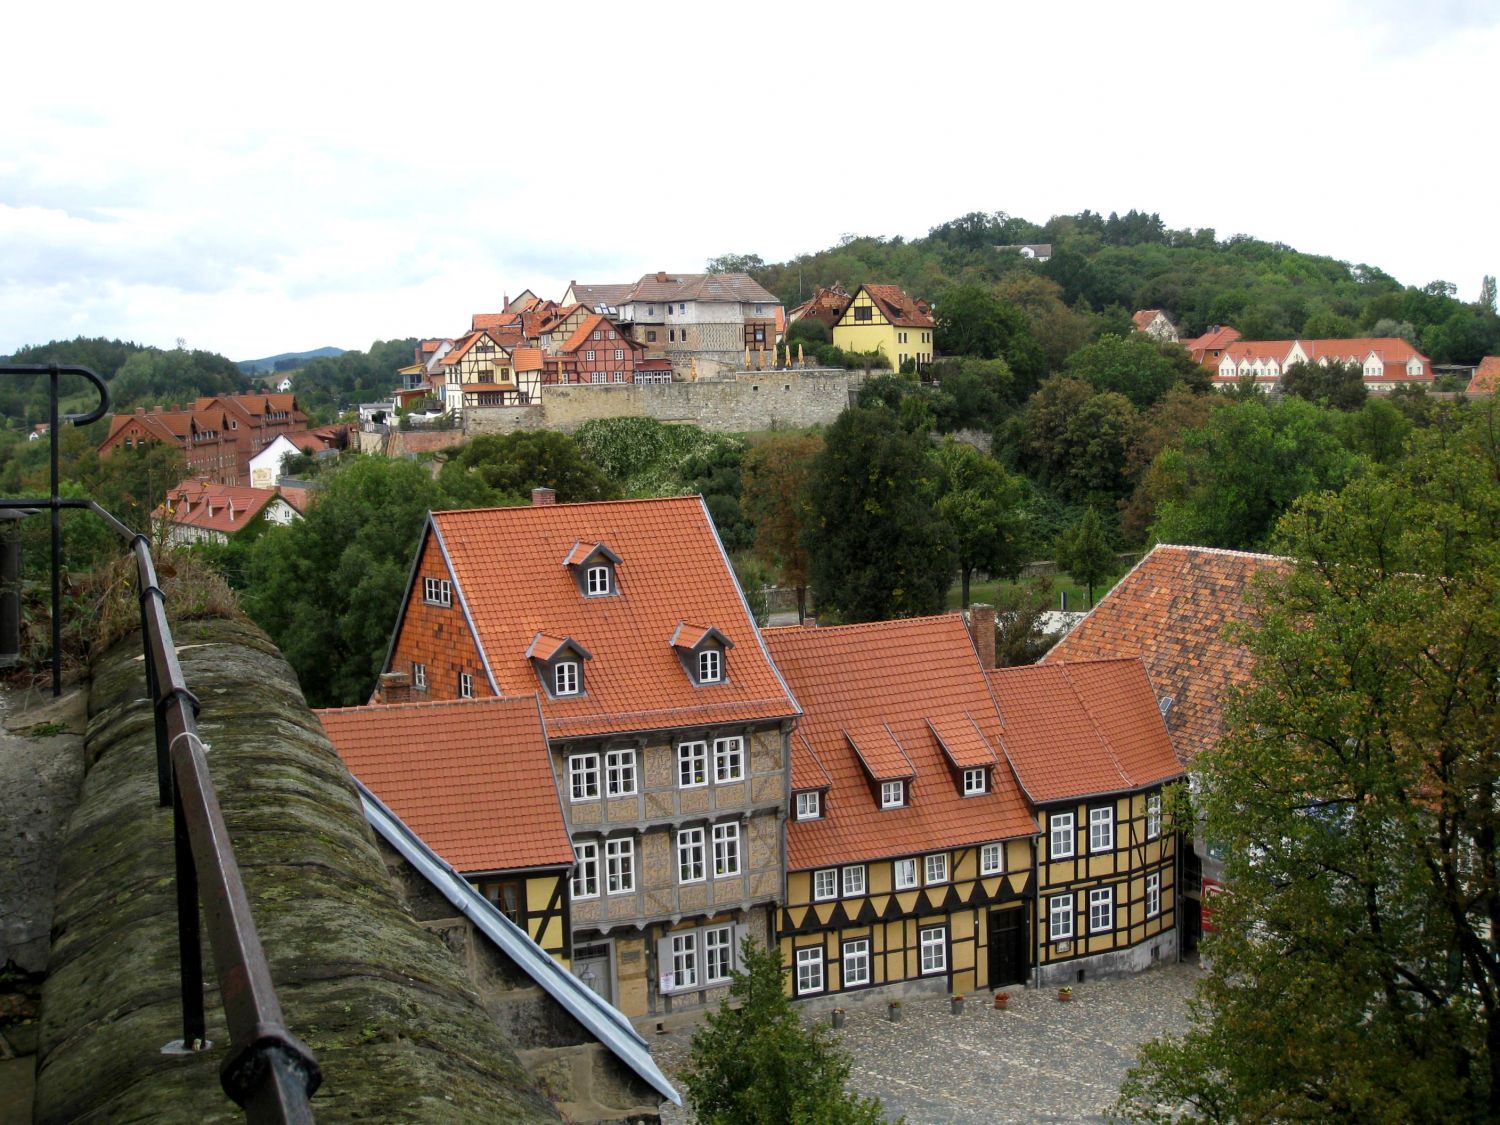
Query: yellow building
882, 318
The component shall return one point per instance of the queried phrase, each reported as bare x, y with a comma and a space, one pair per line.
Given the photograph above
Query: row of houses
580, 714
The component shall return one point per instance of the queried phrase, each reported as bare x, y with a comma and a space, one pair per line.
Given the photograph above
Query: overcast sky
275, 177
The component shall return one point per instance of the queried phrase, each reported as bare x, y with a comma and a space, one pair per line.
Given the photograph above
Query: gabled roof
545, 646
527, 359
214, 507
1170, 611
825, 305
582, 552
1486, 378
900, 309
672, 568
584, 335
963, 742
1083, 729
1390, 350
663, 287
493, 320
691, 637
885, 684
1143, 318
472, 777
607, 295
464, 344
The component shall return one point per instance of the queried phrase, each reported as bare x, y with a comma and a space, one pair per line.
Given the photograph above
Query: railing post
52, 436
189, 941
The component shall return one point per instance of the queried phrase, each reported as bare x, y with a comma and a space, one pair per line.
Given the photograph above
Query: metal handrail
269, 1072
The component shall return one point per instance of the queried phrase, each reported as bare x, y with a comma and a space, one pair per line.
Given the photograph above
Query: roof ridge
564, 504
1215, 551
853, 625
433, 704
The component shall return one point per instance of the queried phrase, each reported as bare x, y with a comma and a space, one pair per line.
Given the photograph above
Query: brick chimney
982, 629
543, 496
394, 687
661, 276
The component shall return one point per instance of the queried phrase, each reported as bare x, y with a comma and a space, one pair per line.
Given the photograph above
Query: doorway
1008, 932
591, 965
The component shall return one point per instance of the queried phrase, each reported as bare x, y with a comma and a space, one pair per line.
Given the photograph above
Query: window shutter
664, 976
740, 930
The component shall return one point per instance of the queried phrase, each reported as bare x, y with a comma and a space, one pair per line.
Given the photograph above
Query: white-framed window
465, 686
1153, 894
597, 581
892, 794
1060, 842
934, 946
437, 591
692, 764
1153, 816
619, 865
690, 855
565, 678
583, 777
419, 677
856, 962
809, 805
718, 953
976, 781
854, 880
729, 759
935, 868
596, 334
809, 970
619, 353
586, 870
1101, 909
1101, 829
1060, 917
905, 874
710, 666
685, 960
619, 773
825, 884
590, 355
726, 849
992, 859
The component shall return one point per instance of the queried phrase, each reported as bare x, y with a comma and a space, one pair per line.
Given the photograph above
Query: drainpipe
1036, 914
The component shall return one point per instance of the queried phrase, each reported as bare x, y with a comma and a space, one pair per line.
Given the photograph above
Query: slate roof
472, 777
593, 296
664, 287
1083, 729
883, 686
900, 309
672, 568
1170, 611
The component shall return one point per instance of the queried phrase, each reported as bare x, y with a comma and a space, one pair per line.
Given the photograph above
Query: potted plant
1002, 1001
1065, 993
893, 1011
838, 1018
957, 1003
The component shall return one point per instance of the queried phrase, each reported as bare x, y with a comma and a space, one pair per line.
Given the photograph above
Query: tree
1075, 441
1135, 366
1336, 385
774, 481
511, 465
972, 321
877, 548
753, 1063
736, 263
1357, 789
980, 501
1084, 551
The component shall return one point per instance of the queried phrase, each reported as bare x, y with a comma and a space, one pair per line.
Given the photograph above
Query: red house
598, 352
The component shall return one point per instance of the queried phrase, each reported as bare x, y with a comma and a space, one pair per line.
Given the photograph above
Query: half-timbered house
600, 352
478, 372
884, 319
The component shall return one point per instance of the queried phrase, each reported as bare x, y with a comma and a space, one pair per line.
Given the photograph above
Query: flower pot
1064, 994
893, 1012
1002, 1001
838, 1018
957, 1003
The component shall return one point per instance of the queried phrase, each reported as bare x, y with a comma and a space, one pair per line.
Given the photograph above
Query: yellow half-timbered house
884, 319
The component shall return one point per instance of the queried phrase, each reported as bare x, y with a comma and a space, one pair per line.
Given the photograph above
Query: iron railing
269, 1072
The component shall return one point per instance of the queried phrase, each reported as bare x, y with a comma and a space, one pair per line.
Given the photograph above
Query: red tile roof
887, 684
1215, 340
1142, 318
583, 335
471, 777
672, 568
213, 507
1083, 729
1170, 611
900, 309
1392, 351
1486, 378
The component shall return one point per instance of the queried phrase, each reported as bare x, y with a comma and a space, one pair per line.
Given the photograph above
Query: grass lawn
1078, 596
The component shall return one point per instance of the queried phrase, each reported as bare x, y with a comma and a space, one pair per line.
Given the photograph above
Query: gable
440, 638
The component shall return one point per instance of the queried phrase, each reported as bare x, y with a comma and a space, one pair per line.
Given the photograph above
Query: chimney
394, 687
660, 276
809, 622
140, 411
540, 497
982, 629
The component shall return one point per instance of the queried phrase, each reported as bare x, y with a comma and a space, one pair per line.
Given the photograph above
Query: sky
281, 177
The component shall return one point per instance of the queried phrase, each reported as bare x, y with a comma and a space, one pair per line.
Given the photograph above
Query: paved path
1041, 1061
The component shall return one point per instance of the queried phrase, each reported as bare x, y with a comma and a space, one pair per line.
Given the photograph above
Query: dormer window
976, 782
593, 566
702, 650
892, 794
809, 805
710, 666
597, 581
559, 664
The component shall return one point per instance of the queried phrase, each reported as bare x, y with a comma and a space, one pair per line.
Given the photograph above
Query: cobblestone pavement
1040, 1061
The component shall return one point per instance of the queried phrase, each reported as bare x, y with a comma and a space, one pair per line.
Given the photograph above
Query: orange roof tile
879, 752
899, 308
1486, 378
1170, 611
213, 507
1083, 729
963, 742
527, 359
471, 777
900, 678
672, 567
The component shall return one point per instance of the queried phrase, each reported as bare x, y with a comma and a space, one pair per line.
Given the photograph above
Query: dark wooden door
1007, 946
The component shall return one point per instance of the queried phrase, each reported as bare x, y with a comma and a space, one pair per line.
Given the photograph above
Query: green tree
754, 1063
1137, 367
877, 548
972, 321
774, 480
1339, 386
1356, 973
980, 501
511, 465
1075, 441
1084, 551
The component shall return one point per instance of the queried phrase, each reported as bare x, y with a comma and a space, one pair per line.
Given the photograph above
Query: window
586, 871
596, 333
856, 962
692, 764
619, 866
825, 884
854, 880
506, 898
597, 581
709, 667
726, 849
809, 805
934, 945
1153, 816
992, 859
718, 953
975, 782
892, 794
681, 307
612, 335
809, 970
589, 355
685, 960
1101, 910
583, 776
619, 773
1153, 894
651, 336
690, 855
864, 313
729, 759
419, 676
671, 335
437, 591
1101, 830
906, 874
465, 686
1060, 917
619, 352
565, 678
936, 868
1062, 835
